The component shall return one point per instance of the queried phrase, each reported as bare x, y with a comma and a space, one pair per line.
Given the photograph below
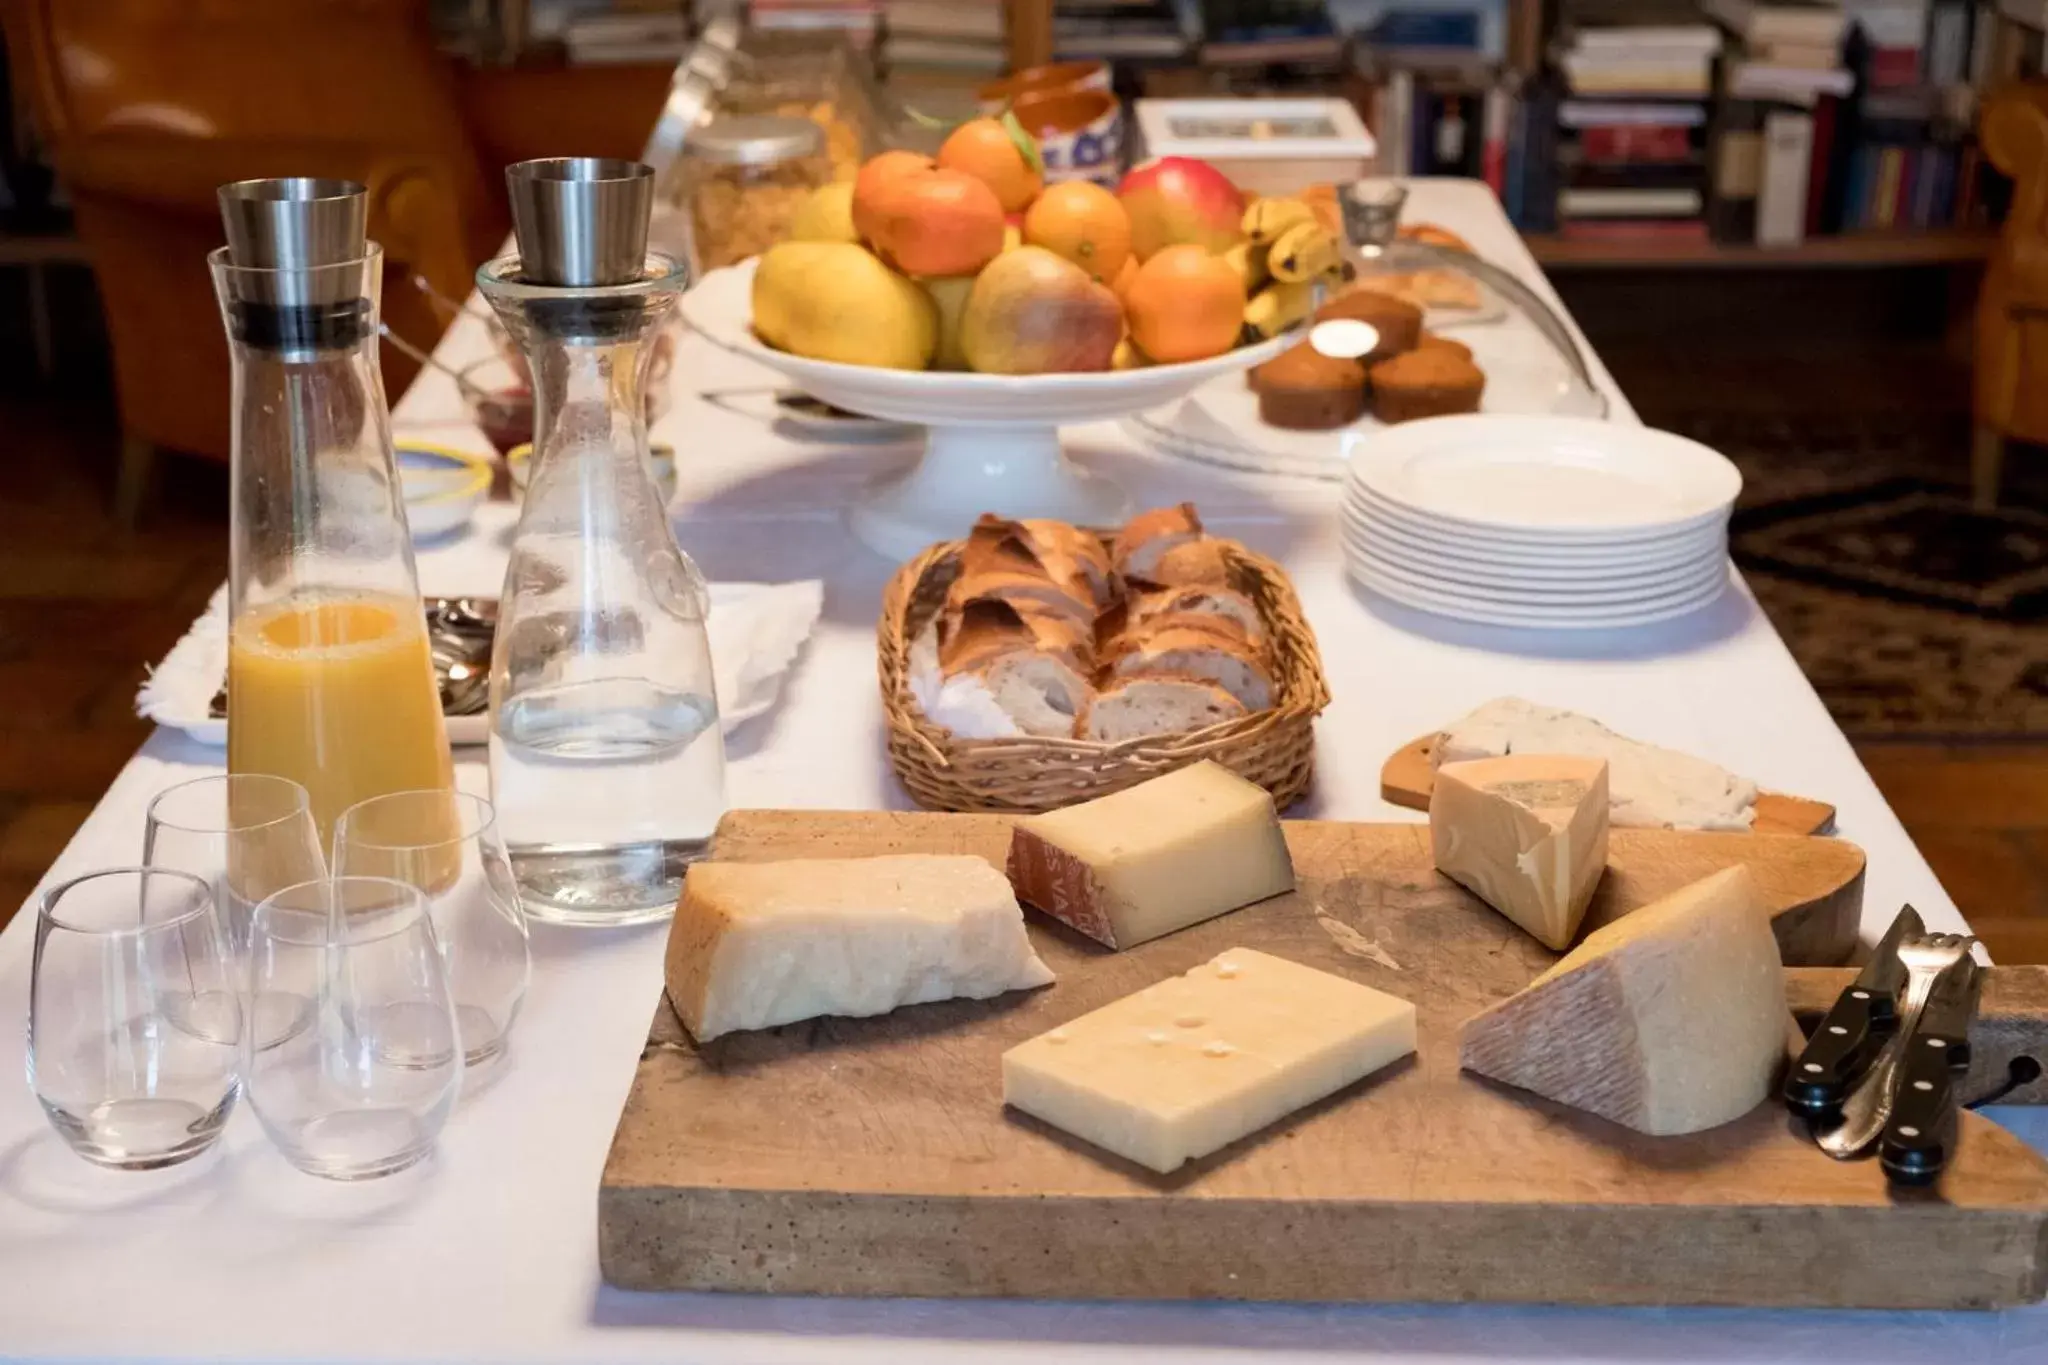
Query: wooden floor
84, 605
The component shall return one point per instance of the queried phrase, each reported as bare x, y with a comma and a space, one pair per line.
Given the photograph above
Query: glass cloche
1498, 346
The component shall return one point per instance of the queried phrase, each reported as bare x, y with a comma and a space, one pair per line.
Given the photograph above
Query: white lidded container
1270, 146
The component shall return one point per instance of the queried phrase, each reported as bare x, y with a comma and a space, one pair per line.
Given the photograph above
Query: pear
837, 301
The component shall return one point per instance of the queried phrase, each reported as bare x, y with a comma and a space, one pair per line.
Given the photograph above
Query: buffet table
488, 1252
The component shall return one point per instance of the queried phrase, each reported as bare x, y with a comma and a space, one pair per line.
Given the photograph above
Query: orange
1184, 304
1084, 223
1006, 162
877, 177
1121, 285
932, 221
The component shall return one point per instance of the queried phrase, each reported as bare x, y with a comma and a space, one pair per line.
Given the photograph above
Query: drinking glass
365, 1088
247, 835
133, 1024
445, 845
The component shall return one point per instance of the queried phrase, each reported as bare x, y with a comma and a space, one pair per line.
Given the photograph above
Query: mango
826, 216
1034, 312
836, 301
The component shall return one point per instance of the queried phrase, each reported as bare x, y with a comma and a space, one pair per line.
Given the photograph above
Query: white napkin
755, 629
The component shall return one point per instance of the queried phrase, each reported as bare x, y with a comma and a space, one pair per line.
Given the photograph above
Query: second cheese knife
1855, 1029
1920, 1135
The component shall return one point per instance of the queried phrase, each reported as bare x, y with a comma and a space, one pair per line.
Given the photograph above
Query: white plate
1565, 611
1576, 543
1493, 615
1465, 578
1479, 554
443, 486
1560, 478
1592, 595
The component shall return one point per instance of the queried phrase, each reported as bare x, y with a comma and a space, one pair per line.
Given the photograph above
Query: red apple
1178, 199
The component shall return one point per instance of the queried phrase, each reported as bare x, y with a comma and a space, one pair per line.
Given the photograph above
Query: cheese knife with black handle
1855, 1029
1920, 1135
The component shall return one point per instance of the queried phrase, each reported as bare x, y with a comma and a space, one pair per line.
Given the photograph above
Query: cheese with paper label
1669, 1020
1197, 1061
759, 944
1153, 858
1527, 834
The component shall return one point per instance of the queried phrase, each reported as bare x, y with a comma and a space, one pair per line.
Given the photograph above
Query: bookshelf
1934, 246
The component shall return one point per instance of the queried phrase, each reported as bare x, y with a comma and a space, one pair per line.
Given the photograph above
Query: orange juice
336, 691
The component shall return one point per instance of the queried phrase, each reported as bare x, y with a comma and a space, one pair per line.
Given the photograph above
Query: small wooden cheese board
875, 1156
1407, 777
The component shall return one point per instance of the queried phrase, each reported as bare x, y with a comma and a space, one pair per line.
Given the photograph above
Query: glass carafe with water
330, 679
607, 765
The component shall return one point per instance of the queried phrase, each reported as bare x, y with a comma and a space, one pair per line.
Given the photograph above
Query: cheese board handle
2008, 1039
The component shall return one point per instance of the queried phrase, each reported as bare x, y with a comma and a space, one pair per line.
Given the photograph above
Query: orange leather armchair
2011, 401
147, 107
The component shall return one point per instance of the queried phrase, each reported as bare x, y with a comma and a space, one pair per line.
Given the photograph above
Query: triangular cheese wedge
1527, 834
1669, 1020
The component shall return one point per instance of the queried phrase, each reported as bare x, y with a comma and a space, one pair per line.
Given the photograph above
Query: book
1604, 201
1737, 157
1590, 76
1493, 150
945, 19
1803, 56
1820, 165
1791, 85
1763, 23
1635, 144
1574, 113
1701, 40
1781, 186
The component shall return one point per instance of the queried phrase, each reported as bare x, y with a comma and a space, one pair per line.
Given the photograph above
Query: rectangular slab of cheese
754, 945
1198, 1061
1153, 858
1527, 834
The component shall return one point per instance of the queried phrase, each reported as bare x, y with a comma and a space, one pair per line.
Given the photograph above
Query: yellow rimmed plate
443, 487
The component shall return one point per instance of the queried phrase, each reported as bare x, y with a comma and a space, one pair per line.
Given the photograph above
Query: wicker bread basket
1274, 748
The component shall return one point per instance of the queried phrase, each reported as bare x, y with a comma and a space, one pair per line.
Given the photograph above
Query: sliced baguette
1200, 600
988, 628
1001, 547
1198, 652
1024, 589
1149, 535
1194, 563
1132, 708
1059, 541
1041, 692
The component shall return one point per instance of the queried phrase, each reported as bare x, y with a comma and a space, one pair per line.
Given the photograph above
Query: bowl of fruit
963, 294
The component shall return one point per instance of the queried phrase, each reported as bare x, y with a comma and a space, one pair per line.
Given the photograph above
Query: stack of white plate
1550, 523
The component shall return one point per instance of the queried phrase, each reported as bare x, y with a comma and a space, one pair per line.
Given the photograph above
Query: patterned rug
1915, 615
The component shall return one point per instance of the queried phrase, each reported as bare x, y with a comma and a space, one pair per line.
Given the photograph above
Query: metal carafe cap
581, 221
294, 223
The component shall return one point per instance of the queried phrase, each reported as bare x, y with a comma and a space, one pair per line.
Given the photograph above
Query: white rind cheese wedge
1153, 858
754, 945
1527, 834
1669, 1020
1649, 787
1197, 1061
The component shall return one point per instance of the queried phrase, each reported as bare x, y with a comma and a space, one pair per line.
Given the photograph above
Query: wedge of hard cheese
1153, 858
1198, 1061
759, 944
1669, 1020
1527, 834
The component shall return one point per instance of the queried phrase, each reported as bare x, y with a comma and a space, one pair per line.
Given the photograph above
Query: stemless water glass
248, 836
365, 1088
134, 1026
445, 844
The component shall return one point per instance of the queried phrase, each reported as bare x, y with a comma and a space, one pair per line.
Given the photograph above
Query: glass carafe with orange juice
330, 679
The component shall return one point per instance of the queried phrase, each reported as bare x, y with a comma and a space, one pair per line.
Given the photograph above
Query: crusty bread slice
1057, 541
1149, 535
1131, 708
1193, 563
1041, 692
987, 628
1198, 652
1024, 589
1208, 599
999, 547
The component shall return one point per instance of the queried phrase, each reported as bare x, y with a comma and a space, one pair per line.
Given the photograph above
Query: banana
1279, 306
1128, 357
1303, 252
1248, 259
1266, 220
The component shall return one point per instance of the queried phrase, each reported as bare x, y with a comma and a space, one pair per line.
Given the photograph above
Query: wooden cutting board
875, 1157
1407, 777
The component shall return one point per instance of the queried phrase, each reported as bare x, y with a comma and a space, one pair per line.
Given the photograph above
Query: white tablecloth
488, 1253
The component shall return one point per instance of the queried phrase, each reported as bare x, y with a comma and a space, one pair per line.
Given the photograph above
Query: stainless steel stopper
581, 221
294, 223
